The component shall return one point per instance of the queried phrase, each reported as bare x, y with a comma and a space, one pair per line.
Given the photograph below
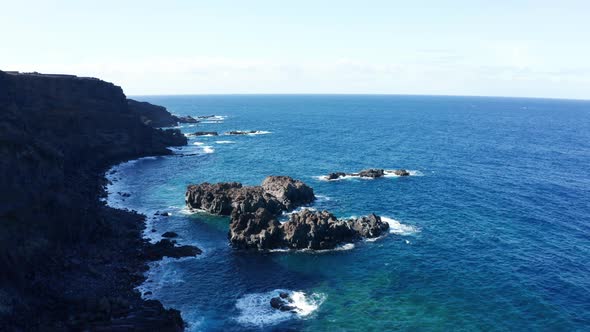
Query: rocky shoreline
70, 262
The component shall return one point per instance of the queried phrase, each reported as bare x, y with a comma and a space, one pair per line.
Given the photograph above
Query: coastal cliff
68, 261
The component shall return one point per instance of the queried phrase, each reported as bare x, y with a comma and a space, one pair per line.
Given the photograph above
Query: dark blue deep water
491, 233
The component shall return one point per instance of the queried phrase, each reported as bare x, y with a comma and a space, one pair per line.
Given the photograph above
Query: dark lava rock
336, 175
276, 194
241, 132
165, 214
205, 116
186, 119
316, 230
259, 230
205, 133
305, 230
401, 172
167, 248
291, 193
371, 173
281, 304
370, 226
170, 234
368, 173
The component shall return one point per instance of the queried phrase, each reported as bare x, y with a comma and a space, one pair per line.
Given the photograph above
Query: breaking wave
255, 309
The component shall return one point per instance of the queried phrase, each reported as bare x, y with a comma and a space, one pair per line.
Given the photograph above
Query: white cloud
451, 74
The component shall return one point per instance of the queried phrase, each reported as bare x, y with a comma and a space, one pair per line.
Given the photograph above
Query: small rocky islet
229, 133
372, 173
254, 212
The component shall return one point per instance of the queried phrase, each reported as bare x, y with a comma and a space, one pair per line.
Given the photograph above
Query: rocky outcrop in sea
205, 133
254, 214
276, 194
305, 230
368, 173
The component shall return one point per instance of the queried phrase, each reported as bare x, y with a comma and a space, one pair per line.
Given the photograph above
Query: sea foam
396, 227
255, 309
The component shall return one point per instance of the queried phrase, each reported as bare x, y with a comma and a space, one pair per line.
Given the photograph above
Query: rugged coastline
70, 262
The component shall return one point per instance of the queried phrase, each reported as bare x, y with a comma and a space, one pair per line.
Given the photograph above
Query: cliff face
152, 115
57, 133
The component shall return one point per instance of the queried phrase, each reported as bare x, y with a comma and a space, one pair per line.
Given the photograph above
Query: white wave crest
255, 309
198, 143
208, 149
342, 247
248, 133
212, 119
322, 198
260, 132
224, 142
391, 173
346, 177
396, 227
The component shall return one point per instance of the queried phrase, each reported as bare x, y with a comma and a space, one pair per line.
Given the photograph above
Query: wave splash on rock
257, 309
371, 173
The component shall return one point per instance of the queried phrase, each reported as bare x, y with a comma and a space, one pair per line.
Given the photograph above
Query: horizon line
352, 94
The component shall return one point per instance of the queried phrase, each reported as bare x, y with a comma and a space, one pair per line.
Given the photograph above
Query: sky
487, 48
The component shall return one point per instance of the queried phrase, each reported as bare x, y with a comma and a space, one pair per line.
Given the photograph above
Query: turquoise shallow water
492, 233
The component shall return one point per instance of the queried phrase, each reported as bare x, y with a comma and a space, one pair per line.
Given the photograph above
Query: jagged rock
368, 173
170, 234
277, 193
369, 226
205, 116
291, 193
167, 248
205, 133
186, 119
258, 230
241, 132
371, 173
282, 303
336, 175
316, 230
401, 172
305, 230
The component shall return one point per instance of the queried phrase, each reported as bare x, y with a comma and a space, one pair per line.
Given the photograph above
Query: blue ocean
491, 232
